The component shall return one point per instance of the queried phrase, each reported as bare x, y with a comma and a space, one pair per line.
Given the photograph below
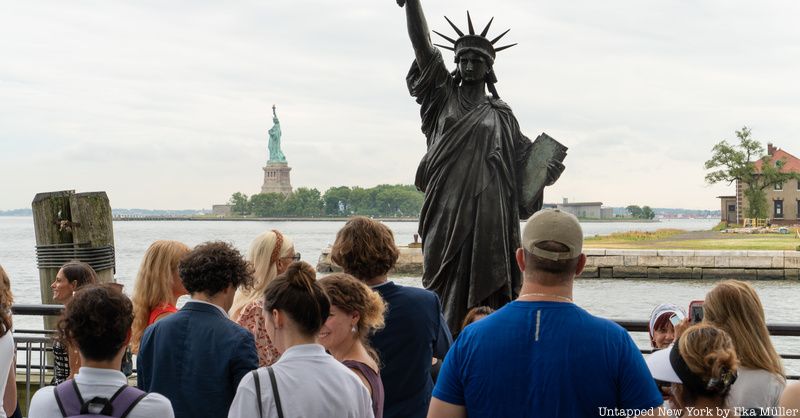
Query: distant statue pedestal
276, 178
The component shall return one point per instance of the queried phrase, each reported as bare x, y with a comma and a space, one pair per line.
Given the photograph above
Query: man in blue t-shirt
542, 355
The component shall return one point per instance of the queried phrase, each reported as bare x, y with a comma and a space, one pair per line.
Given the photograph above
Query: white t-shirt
93, 382
6, 359
756, 388
311, 384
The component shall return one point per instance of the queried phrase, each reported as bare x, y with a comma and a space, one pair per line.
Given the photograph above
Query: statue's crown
472, 42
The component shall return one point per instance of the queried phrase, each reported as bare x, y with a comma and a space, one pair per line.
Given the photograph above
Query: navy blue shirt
545, 359
415, 332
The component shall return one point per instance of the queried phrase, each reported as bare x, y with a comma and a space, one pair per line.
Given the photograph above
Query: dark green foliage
384, 200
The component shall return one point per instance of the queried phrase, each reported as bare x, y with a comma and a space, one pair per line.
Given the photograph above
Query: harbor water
613, 298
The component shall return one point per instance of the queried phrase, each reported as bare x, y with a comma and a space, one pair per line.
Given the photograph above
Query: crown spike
445, 37
446, 47
486, 29
469, 23
503, 47
455, 28
501, 35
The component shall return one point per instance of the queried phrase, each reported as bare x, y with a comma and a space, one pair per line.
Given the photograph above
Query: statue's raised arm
418, 31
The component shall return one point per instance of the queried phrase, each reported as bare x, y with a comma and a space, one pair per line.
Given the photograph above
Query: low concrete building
221, 210
728, 212
586, 210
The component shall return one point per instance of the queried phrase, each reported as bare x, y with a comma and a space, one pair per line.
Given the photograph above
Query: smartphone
696, 311
676, 319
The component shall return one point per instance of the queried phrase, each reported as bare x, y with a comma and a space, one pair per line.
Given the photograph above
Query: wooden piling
78, 222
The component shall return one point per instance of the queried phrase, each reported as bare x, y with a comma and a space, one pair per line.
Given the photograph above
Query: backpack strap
71, 403
68, 398
257, 381
275, 393
125, 399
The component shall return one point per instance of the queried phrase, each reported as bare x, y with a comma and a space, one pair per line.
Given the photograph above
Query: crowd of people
263, 337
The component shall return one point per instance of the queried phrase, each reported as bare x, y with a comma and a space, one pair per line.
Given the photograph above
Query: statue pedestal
276, 178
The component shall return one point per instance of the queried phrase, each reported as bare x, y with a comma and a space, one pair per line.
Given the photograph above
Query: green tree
240, 203
634, 210
304, 202
337, 201
647, 213
738, 162
268, 204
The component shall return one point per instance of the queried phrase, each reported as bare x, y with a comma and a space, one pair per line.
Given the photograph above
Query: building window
731, 208
798, 208
798, 185
778, 209
778, 186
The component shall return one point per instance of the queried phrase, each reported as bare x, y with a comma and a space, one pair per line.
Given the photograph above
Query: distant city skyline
167, 105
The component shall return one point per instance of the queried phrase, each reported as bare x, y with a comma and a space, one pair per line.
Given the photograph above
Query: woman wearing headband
662, 332
702, 367
270, 253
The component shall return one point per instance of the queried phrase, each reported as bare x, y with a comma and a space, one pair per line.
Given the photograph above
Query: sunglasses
295, 257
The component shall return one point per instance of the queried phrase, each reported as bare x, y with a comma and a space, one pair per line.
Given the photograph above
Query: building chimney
771, 149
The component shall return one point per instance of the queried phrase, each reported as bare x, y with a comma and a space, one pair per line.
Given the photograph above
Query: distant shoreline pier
648, 264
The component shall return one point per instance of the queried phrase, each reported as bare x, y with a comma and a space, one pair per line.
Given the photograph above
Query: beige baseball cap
553, 225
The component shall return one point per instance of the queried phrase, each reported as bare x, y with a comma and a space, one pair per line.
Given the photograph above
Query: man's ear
520, 256
581, 264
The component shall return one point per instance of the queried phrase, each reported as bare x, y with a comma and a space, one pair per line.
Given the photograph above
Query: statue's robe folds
470, 220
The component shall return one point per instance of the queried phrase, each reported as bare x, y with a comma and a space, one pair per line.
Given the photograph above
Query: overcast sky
166, 104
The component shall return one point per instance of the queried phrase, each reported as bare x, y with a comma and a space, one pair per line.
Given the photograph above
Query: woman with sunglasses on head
295, 309
270, 253
701, 367
70, 278
8, 370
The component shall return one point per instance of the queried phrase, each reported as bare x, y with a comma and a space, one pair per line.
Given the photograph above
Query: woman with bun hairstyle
356, 312
295, 308
734, 306
69, 278
702, 367
157, 288
270, 253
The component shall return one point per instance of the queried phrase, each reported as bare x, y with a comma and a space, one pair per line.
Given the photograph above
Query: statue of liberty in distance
480, 174
274, 145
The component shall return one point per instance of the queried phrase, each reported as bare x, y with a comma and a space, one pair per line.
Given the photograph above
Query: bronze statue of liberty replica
480, 174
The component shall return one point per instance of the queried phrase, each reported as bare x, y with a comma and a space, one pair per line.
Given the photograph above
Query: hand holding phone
696, 311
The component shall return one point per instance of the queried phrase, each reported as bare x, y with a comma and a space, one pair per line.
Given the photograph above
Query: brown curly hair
297, 293
97, 320
351, 295
212, 266
365, 248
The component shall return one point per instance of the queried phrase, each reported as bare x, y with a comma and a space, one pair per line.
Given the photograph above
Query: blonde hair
265, 251
6, 300
153, 285
734, 306
709, 354
352, 295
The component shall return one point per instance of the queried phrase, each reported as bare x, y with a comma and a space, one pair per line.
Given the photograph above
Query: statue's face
473, 67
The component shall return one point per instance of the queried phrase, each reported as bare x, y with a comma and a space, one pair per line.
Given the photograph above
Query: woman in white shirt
8, 386
295, 308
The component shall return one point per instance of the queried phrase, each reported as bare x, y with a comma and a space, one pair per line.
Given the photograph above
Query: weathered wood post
72, 226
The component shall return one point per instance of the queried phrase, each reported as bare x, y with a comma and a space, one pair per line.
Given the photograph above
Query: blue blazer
196, 358
415, 332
